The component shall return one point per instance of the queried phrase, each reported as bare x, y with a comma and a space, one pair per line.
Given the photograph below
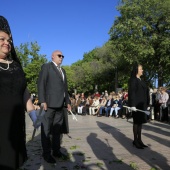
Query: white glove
148, 108
133, 109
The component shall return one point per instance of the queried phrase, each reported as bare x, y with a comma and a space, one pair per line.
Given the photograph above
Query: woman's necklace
7, 66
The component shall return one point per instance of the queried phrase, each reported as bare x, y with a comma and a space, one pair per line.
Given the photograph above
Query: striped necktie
59, 69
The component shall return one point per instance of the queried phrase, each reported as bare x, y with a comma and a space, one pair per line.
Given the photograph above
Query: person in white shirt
163, 108
94, 105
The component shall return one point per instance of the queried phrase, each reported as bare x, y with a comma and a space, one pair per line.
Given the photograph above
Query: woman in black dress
12, 105
138, 98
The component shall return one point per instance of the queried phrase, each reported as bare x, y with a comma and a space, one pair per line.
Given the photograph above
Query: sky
73, 26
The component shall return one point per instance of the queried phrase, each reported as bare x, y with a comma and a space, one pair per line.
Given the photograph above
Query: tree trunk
116, 79
160, 76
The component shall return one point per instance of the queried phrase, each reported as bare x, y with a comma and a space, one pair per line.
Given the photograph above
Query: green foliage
23, 53
70, 78
31, 62
99, 164
133, 165
73, 147
142, 33
154, 169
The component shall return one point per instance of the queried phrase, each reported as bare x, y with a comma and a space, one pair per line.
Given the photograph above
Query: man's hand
133, 109
69, 107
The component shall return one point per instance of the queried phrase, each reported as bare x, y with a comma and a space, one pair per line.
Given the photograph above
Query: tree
70, 79
115, 70
142, 33
31, 62
23, 53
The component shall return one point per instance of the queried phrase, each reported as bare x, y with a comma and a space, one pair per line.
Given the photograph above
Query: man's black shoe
49, 159
60, 155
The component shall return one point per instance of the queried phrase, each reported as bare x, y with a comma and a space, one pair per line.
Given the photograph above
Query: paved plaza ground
102, 143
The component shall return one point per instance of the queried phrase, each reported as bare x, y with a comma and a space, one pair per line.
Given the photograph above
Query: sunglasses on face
59, 55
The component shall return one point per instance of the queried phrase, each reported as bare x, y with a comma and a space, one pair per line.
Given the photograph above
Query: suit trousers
51, 130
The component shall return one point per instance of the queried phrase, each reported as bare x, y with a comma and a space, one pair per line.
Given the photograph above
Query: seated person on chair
81, 105
101, 105
94, 105
117, 105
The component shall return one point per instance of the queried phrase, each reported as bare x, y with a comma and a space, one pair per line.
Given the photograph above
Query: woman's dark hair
135, 70
4, 26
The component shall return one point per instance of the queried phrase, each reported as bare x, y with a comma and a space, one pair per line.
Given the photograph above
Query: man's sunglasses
59, 55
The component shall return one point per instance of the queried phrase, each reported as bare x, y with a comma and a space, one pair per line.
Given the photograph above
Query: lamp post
75, 91
96, 87
116, 79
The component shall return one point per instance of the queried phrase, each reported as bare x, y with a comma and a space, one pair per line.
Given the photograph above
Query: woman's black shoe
137, 145
142, 144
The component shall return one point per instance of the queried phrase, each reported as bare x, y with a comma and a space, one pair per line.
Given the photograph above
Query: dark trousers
165, 114
157, 111
107, 109
51, 130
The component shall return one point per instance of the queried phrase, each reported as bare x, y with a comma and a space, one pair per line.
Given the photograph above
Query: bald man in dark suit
53, 96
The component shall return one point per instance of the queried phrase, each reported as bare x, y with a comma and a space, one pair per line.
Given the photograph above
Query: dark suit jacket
111, 103
138, 94
119, 102
51, 87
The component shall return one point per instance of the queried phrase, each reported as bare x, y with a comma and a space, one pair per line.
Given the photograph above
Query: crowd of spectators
113, 104
160, 104
104, 104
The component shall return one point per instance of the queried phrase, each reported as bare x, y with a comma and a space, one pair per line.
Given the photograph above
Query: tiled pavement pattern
102, 143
